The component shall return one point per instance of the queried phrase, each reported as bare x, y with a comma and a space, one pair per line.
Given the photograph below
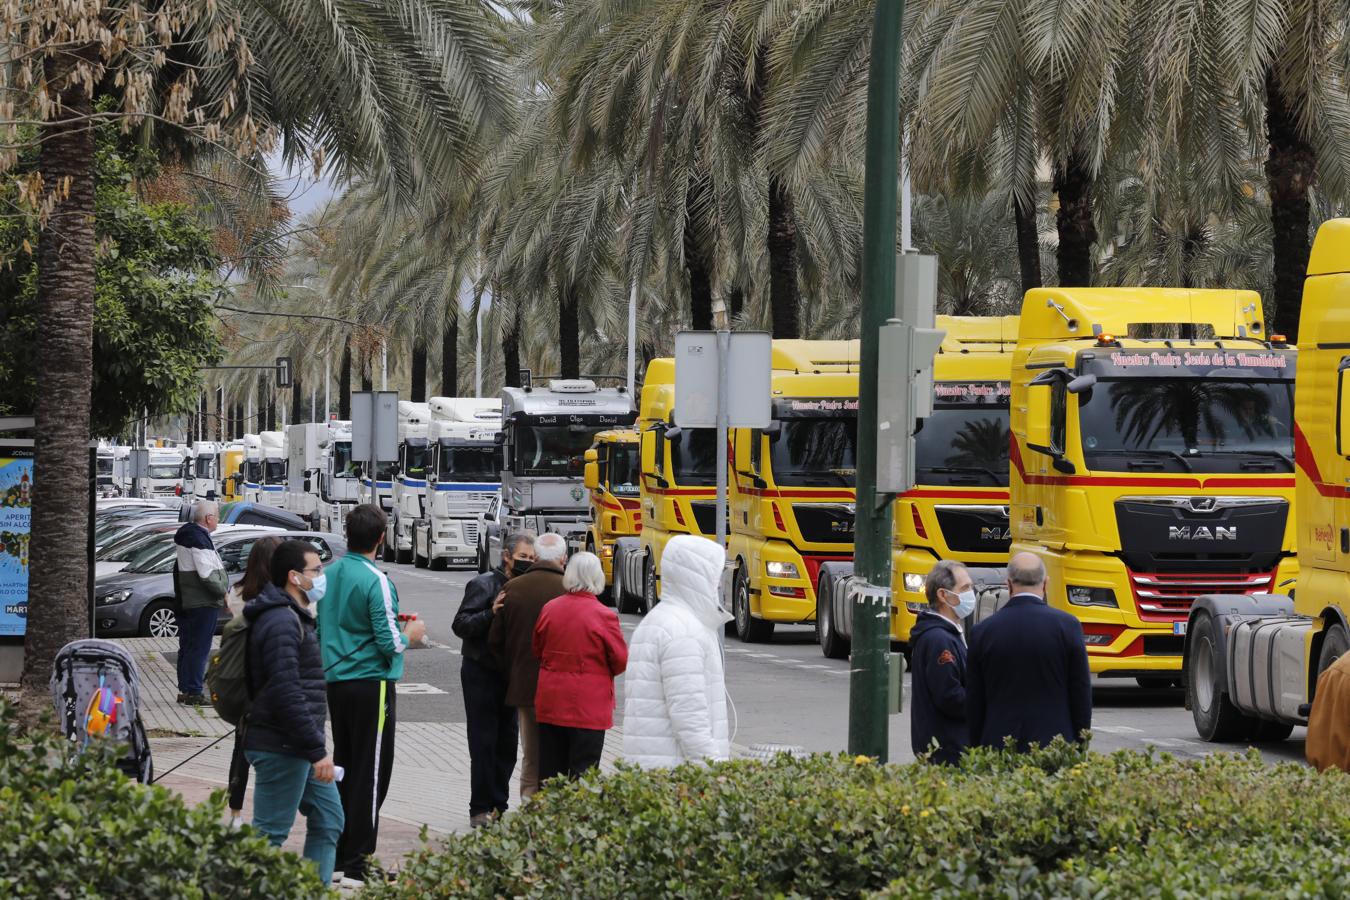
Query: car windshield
557, 450
343, 467
471, 463
120, 550
1188, 422
693, 457
415, 458
622, 469
815, 451
274, 471
154, 558
965, 440
160, 471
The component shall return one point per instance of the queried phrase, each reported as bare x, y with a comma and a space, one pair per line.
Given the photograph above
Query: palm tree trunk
418, 389
367, 377
345, 382
696, 262
569, 332
1289, 172
1077, 233
297, 402
511, 349
450, 353
1028, 244
784, 296
58, 581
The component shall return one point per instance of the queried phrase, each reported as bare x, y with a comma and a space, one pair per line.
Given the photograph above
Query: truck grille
705, 516
1168, 596
470, 527
825, 523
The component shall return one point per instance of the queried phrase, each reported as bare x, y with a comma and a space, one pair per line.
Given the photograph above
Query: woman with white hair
581, 651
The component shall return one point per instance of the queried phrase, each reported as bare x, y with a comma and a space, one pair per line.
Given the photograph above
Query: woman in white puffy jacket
675, 705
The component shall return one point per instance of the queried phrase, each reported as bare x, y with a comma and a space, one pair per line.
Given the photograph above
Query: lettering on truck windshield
1189, 410
817, 442
965, 440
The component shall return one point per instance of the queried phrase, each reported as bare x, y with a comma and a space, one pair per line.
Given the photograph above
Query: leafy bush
75, 828
1056, 823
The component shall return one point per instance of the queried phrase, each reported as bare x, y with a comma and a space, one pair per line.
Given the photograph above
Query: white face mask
965, 604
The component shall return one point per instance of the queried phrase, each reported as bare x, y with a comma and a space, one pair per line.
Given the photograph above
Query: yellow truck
791, 487
1252, 662
1151, 461
958, 508
677, 489
610, 475
230, 465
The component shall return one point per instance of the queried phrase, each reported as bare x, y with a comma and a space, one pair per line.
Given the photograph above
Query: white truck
410, 480
272, 452
339, 480
206, 471
164, 474
104, 483
305, 445
462, 480
545, 435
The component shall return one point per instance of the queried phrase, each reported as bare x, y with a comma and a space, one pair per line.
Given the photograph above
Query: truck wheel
749, 629
649, 596
1334, 645
1216, 718
437, 564
419, 561
482, 560
832, 644
388, 554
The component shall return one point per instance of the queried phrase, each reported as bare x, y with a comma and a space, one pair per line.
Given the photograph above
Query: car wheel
649, 595
159, 620
749, 629
1216, 718
832, 644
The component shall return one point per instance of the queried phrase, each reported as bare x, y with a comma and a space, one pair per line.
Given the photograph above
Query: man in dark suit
1027, 668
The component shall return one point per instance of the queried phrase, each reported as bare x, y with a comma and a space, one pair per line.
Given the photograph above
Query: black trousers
493, 734
568, 751
238, 771
363, 745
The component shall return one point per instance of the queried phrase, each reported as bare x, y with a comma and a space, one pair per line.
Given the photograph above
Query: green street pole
869, 679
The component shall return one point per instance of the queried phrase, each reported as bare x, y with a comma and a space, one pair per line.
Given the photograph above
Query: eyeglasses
313, 570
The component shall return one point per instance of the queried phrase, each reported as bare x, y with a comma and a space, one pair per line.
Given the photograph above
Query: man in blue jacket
937, 718
1027, 676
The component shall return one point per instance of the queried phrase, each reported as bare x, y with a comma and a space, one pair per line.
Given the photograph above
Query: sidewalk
430, 786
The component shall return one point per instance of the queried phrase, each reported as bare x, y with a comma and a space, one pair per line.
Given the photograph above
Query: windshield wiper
961, 470
819, 479
1269, 454
1151, 451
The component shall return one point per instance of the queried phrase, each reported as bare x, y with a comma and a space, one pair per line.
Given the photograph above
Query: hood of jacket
691, 572
271, 597
927, 621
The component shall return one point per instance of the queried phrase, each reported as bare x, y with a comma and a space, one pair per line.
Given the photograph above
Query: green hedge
1057, 823
75, 828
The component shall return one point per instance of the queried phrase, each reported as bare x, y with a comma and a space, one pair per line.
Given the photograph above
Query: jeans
284, 785
195, 629
492, 737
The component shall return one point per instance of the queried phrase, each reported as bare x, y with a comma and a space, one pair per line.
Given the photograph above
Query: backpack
96, 690
227, 673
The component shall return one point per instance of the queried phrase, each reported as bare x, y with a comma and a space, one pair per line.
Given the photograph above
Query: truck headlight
1091, 596
913, 583
114, 598
781, 569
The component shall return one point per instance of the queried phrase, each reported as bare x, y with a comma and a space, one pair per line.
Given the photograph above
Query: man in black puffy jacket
283, 735
492, 729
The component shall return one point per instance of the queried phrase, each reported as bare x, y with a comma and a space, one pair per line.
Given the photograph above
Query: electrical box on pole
283, 371
905, 370
374, 427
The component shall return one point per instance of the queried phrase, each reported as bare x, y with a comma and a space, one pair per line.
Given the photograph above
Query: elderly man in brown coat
511, 639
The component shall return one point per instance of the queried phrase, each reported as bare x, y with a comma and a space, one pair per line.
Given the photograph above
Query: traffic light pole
869, 679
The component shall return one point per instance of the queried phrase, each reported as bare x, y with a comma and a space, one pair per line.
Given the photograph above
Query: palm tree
401, 90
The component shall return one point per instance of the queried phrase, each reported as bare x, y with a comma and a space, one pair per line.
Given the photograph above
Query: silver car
139, 600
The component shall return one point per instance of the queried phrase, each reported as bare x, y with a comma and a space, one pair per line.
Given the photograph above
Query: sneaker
181, 698
482, 820
236, 822
193, 700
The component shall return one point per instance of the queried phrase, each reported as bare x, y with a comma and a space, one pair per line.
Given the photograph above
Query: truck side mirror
591, 474
1038, 418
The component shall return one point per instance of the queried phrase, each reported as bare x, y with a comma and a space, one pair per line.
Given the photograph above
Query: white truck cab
462, 479
338, 487
272, 451
410, 480
164, 473
206, 471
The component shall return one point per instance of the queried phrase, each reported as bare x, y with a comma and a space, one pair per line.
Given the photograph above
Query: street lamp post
869, 679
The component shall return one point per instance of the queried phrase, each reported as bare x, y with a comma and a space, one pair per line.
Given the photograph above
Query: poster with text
16, 493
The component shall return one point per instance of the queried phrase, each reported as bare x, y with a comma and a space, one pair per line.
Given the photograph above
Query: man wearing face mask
937, 722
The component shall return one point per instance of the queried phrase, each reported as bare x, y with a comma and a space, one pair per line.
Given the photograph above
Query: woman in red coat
581, 651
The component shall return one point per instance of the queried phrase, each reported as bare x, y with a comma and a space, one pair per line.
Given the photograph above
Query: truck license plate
1178, 627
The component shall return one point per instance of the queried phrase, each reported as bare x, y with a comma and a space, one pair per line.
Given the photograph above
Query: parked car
132, 548
110, 533
139, 600
243, 512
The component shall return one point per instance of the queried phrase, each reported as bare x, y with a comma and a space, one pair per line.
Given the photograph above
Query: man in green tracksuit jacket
363, 646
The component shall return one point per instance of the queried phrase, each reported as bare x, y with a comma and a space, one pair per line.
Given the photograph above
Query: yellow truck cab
1252, 662
791, 488
958, 508
230, 463
1151, 461
678, 489
611, 477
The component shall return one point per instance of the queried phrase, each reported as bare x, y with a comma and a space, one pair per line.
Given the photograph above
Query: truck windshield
1188, 423
415, 457
343, 467
965, 440
205, 466
693, 457
252, 471
105, 465
274, 471
469, 463
556, 450
623, 468
815, 452
173, 471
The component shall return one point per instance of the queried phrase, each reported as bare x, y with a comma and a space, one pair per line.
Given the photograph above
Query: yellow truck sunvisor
1050, 314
